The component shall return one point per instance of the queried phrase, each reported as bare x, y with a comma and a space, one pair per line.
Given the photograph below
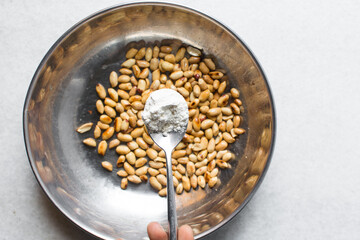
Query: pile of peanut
214, 119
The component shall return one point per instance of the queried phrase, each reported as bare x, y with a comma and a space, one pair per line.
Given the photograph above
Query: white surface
310, 52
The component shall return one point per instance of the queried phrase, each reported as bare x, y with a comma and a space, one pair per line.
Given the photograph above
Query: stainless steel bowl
62, 93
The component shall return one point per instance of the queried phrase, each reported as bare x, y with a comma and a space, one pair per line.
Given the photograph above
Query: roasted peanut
124, 183
155, 183
134, 179
107, 165
102, 147
90, 142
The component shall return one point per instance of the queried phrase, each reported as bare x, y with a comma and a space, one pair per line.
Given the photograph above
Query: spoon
166, 137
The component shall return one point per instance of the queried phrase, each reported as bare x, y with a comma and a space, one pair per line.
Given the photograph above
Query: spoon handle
172, 217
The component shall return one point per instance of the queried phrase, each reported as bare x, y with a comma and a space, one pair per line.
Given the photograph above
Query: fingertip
186, 233
156, 231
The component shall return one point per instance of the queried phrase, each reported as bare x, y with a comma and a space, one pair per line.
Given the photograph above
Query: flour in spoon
165, 112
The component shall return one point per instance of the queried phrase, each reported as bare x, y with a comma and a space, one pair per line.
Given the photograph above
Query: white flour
165, 111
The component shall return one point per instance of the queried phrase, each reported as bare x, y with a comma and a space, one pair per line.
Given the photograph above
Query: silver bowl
62, 93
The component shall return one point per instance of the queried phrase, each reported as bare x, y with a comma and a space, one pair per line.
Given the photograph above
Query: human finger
185, 233
156, 232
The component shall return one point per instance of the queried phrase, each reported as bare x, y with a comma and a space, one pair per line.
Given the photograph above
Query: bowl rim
34, 80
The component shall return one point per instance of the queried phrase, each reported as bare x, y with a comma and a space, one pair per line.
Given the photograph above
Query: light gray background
310, 52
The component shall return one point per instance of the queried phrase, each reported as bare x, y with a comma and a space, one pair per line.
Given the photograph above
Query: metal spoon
168, 141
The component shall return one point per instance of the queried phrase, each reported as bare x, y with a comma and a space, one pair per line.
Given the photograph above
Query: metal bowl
61, 97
